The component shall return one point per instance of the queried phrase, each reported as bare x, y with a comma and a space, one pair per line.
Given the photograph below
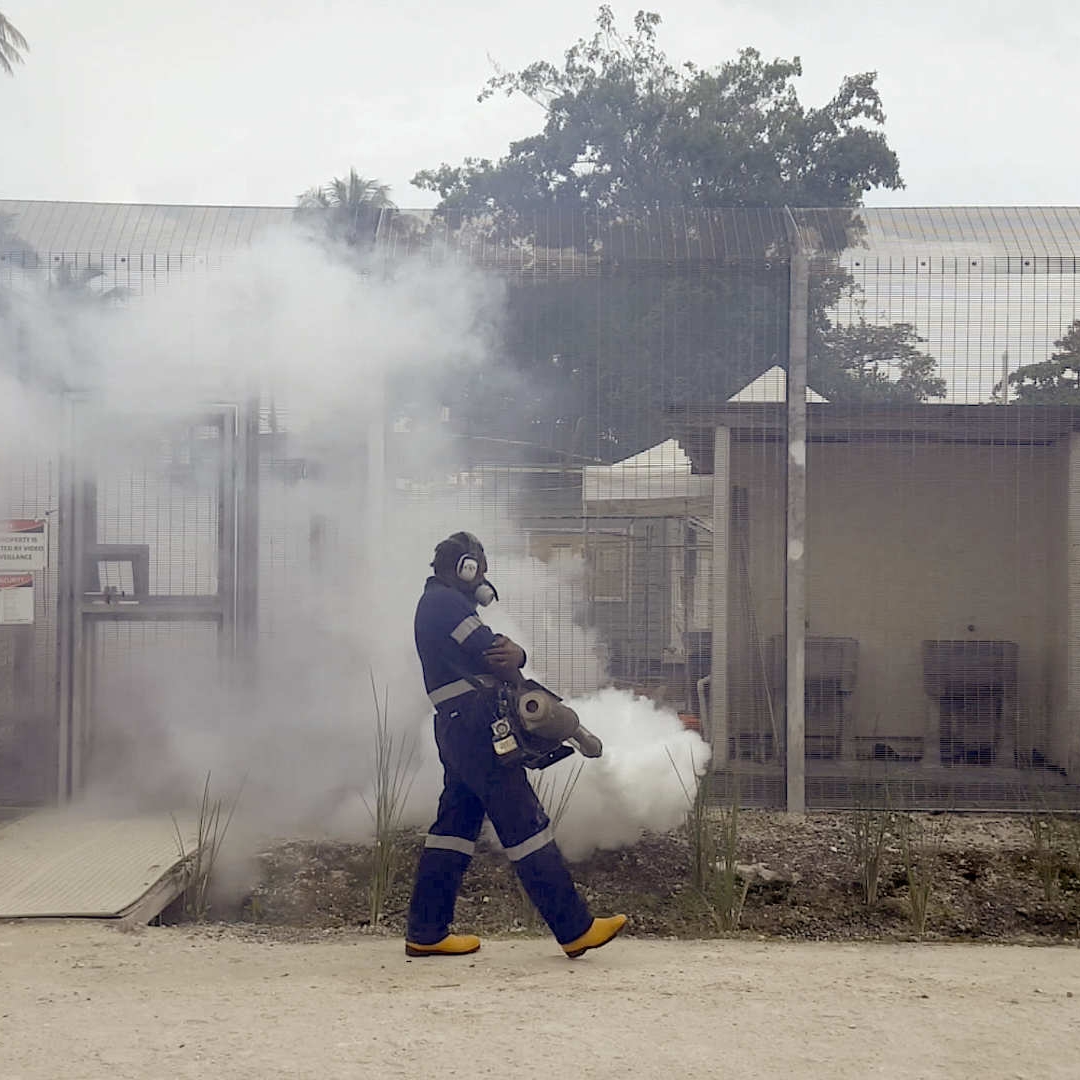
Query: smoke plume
343, 548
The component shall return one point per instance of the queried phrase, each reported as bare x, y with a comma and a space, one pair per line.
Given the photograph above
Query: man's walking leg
525, 832
448, 850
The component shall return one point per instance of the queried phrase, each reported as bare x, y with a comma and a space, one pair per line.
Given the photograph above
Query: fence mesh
626, 452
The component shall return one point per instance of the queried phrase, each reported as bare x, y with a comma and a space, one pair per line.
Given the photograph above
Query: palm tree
12, 45
350, 206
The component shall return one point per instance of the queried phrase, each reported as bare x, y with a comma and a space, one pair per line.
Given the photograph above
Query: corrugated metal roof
574, 241
945, 231
107, 229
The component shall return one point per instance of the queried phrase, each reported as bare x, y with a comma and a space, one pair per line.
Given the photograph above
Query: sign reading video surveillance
24, 545
16, 599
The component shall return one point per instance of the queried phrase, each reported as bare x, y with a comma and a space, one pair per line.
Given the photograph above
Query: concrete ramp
64, 863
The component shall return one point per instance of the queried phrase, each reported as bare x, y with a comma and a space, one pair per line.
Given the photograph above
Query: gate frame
233, 607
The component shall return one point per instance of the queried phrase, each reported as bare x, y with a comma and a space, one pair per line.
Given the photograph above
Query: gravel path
85, 1002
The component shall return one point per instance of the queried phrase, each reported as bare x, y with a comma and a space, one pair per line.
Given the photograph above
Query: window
609, 571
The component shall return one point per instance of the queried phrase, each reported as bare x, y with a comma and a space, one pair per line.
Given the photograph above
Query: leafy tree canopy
12, 46
348, 208
1055, 381
625, 129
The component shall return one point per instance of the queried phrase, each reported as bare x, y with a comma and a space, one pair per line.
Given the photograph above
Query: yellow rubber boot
600, 933
451, 945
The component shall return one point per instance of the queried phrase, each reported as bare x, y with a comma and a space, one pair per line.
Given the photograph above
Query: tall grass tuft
872, 824
395, 771
555, 795
730, 888
714, 840
1046, 841
922, 841
197, 866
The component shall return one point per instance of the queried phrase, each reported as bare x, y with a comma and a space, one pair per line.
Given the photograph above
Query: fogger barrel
542, 714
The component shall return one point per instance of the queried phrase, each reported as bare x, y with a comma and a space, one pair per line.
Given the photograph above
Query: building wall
908, 542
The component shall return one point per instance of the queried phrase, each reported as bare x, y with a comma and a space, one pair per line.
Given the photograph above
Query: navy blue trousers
475, 784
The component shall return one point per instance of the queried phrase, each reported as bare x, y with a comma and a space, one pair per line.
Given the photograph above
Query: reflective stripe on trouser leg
448, 849
518, 817
450, 843
434, 896
546, 878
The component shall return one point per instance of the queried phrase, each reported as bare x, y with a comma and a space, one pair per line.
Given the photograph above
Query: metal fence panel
627, 456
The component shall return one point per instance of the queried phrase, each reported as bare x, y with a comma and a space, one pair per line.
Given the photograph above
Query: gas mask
467, 571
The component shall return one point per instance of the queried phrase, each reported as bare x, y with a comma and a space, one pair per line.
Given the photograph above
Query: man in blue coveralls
462, 661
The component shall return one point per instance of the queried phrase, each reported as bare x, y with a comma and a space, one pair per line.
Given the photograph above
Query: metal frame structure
84, 605
928, 263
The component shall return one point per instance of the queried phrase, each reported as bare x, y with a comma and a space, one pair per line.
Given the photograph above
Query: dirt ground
804, 875
86, 1002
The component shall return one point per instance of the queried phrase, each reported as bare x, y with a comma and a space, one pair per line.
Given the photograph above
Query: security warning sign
16, 599
24, 545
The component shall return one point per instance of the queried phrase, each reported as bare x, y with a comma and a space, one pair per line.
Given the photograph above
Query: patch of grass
714, 839
872, 825
395, 771
1046, 841
699, 830
197, 866
922, 840
728, 892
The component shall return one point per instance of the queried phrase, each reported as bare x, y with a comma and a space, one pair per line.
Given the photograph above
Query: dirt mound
803, 883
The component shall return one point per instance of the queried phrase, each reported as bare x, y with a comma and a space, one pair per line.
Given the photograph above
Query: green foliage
629, 139
347, 208
12, 46
922, 840
1055, 381
728, 888
604, 357
1046, 841
872, 826
868, 362
395, 770
626, 129
713, 837
197, 865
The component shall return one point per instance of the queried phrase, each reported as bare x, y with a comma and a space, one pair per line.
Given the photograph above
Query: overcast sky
252, 101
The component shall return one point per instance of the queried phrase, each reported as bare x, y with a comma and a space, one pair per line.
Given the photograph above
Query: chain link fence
899, 536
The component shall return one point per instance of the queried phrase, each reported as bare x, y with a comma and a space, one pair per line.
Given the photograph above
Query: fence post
1069, 741
247, 528
66, 609
795, 569
718, 662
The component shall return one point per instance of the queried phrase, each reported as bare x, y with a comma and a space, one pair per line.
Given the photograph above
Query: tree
628, 138
349, 207
868, 362
12, 45
626, 130
1055, 381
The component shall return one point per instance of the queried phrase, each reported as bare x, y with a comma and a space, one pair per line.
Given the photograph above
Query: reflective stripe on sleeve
465, 628
530, 846
450, 843
450, 690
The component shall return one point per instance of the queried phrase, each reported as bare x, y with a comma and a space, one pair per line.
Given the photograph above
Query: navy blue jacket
450, 638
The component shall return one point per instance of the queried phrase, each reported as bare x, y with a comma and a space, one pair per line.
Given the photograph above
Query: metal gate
155, 594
